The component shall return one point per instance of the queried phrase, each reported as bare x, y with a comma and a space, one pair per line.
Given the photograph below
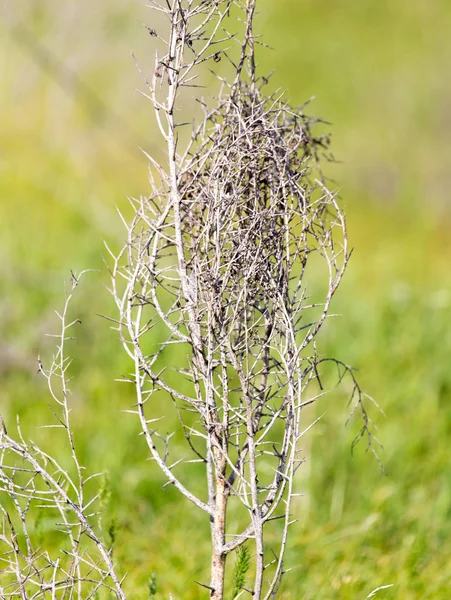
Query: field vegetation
72, 126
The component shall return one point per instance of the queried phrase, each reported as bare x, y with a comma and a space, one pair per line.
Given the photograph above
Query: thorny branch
239, 221
33, 483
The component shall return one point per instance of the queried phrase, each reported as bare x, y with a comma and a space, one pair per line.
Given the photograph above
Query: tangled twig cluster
218, 258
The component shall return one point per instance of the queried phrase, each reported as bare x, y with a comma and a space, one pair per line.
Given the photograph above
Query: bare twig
31, 480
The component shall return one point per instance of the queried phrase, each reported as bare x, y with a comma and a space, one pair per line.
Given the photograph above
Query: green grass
379, 73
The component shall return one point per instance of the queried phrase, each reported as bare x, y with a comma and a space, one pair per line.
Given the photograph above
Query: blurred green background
71, 126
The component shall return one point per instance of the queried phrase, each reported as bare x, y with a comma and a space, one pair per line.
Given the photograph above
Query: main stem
218, 556
218, 519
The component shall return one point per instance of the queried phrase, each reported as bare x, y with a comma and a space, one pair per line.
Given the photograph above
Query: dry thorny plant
218, 259
33, 482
